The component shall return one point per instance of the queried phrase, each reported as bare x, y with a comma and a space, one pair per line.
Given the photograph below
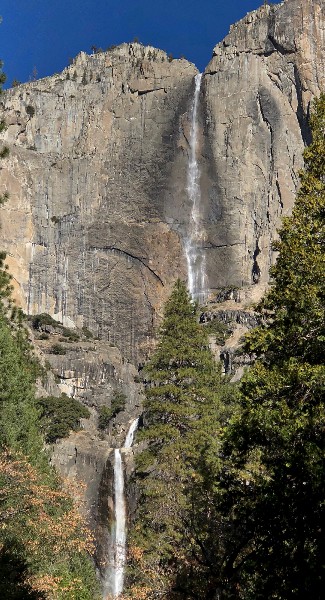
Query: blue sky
43, 34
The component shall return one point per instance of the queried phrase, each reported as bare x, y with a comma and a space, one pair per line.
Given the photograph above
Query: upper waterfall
194, 250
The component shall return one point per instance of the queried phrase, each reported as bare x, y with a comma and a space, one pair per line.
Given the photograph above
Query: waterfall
115, 579
194, 240
120, 517
130, 435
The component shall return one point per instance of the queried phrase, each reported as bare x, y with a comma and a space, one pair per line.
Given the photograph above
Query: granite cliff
257, 90
95, 224
97, 171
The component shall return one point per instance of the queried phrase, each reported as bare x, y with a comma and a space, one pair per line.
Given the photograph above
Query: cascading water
194, 240
115, 578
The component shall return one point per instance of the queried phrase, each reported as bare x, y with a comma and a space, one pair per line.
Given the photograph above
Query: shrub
44, 336
30, 110
70, 334
43, 319
60, 415
221, 330
87, 333
58, 349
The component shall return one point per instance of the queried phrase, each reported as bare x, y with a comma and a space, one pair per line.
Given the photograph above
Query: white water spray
194, 241
115, 578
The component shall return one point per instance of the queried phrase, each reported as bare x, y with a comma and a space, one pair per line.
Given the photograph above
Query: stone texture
91, 153
92, 371
97, 172
257, 91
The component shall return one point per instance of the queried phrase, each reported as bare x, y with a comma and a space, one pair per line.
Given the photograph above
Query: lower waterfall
113, 586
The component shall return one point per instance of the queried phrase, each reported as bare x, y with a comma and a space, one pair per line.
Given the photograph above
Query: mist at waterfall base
114, 576
194, 239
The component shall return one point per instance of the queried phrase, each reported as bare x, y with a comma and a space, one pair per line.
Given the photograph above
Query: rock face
97, 172
257, 92
90, 172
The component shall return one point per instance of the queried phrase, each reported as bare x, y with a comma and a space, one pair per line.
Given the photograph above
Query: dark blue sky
43, 34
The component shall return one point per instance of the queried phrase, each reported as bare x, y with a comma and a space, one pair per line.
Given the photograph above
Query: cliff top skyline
39, 38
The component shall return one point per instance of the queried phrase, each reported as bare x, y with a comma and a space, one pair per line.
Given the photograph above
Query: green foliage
30, 110
268, 498
18, 412
70, 334
43, 319
104, 416
106, 413
58, 349
87, 333
220, 329
40, 321
43, 540
60, 415
5, 282
22, 526
44, 336
239, 515
43, 544
295, 304
187, 405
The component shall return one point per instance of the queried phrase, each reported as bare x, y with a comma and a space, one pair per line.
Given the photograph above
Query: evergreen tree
271, 490
187, 404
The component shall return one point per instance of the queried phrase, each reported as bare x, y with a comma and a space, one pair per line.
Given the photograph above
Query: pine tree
187, 404
271, 490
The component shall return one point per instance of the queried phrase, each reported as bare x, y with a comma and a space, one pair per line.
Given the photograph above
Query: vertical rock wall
98, 167
257, 90
91, 152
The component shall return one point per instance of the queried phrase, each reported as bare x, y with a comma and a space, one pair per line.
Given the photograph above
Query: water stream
115, 580
194, 240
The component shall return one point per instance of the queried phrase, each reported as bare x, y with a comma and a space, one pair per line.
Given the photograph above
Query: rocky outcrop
90, 173
257, 93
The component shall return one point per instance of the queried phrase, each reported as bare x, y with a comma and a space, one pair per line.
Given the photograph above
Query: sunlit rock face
94, 164
257, 91
97, 174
